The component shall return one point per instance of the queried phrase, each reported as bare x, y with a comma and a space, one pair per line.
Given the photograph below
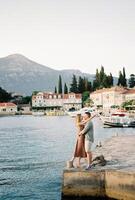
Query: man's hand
79, 134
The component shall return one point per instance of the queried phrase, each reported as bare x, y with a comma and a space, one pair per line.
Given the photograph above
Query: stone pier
116, 180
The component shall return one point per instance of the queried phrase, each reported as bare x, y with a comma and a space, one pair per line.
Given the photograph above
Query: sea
34, 151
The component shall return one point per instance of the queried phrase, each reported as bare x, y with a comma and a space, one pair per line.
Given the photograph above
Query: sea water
33, 153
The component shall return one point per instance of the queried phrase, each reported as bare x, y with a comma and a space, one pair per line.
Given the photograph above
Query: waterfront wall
99, 184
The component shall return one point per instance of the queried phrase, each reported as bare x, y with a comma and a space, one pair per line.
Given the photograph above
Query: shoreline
116, 180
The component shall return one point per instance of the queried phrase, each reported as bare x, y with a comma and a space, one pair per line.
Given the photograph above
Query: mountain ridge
20, 74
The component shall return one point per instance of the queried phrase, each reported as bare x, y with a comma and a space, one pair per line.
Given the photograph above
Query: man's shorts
88, 146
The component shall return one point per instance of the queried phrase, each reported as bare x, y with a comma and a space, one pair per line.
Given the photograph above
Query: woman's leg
79, 162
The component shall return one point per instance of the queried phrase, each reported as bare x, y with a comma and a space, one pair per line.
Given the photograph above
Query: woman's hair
88, 113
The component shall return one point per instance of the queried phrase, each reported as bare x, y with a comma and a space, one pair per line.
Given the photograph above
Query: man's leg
89, 158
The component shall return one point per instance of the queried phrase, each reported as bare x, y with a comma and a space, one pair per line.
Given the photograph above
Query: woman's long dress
80, 148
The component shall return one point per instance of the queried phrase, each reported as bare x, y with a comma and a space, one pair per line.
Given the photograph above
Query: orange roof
130, 91
77, 96
7, 104
63, 96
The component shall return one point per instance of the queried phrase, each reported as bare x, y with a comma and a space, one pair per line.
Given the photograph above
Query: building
24, 108
8, 108
109, 97
130, 95
47, 100
72, 101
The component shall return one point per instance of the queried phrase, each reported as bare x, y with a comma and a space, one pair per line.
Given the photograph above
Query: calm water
33, 151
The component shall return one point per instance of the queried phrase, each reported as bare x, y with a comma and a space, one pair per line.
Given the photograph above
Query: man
89, 138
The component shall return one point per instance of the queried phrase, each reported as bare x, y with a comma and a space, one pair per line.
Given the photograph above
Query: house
48, 100
109, 97
24, 108
8, 108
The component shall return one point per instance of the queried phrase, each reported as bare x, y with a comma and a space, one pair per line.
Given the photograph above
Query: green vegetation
55, 90
129, 104
102, 80
60, 85
122, 81
132, 81
65, 89
26, 100
4, 95
35, 92
73, 85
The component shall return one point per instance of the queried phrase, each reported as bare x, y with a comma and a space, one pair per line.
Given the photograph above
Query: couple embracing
85, 139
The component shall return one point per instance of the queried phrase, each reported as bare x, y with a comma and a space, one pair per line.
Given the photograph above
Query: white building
130, 95
57, 101
8, 108
115, 96
72, 101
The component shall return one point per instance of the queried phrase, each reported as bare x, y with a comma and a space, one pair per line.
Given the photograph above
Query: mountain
20, 74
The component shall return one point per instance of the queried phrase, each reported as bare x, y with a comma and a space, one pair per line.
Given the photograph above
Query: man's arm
85, 130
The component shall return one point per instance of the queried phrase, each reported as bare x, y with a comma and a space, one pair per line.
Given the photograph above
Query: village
51, 103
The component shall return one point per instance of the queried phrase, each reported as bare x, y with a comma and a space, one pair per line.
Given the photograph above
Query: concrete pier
116, 180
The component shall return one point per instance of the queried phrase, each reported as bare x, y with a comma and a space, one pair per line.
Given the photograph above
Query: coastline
116, 180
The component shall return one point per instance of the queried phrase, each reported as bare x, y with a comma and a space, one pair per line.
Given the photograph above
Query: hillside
20, 74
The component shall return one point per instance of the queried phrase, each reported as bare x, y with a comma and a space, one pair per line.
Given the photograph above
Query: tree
4, 95
132, 81
105, 81
26, 100
120, 79
60, 85
110, 80
65, 89
96, 82
89, 86
55, 90
81, 86
85, 96
124, 80
73, 86
101, 74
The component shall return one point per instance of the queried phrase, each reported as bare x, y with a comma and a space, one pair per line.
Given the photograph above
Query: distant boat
38, 113
119, 120
120, 125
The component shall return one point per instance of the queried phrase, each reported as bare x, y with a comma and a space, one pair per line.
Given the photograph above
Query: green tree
85, 96
124, 80
96, 82
60, 85
65, 89
55, 90
101, 74
4, 95
89, 86
105, 81
26, 100
73, 86
110, 80
81, 86
120, 79
132, 81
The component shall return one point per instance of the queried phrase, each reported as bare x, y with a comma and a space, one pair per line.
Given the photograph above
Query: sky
71, 34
